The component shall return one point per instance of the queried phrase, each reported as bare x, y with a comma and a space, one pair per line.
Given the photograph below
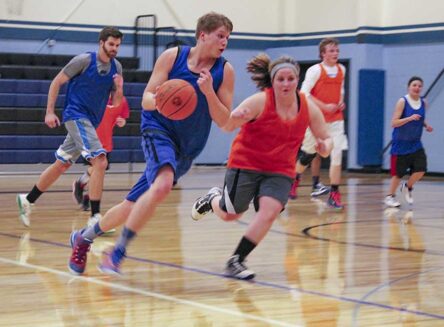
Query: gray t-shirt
80, 63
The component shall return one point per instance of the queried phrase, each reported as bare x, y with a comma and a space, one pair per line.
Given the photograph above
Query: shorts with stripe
412, 162
242, 186
159, 150
81, 140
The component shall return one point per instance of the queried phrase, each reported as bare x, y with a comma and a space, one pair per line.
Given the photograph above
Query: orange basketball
176, 99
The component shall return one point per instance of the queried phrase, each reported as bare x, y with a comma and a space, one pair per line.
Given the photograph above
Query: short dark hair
211, 22
415, 78
108, 31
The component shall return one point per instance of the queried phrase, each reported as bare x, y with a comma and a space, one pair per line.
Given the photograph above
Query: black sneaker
237, 269
202, 206
77, 191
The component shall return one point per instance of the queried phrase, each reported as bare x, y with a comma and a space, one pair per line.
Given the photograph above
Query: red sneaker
334, 201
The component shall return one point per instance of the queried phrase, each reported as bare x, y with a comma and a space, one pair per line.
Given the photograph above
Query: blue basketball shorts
159, 150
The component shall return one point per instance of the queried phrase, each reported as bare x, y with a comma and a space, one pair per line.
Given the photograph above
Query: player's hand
341, 106
415, 117
118, 81
205, 81
120, 121
429, 128
331, 107
51, 120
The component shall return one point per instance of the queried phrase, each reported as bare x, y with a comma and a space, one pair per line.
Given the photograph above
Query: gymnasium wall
401, 37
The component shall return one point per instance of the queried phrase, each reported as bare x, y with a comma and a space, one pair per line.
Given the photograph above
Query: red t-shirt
106, 126
270, 144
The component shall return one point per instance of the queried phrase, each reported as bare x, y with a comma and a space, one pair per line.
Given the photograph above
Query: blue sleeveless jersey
88, 93
406, 139
190, 134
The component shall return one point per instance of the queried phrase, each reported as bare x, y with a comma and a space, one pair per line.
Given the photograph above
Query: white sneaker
237, 269
391, 202
407, 193
202, 205
95, 219
24, 209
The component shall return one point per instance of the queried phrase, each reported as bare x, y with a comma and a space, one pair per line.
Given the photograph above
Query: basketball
176, 99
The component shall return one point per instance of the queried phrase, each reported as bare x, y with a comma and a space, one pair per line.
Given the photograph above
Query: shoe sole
195, 215
73, 193
316, 194
22, 216
109, 272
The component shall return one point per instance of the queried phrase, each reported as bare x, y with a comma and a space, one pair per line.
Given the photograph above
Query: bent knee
99, 162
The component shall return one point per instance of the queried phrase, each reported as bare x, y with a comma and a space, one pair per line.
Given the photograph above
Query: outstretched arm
247, 111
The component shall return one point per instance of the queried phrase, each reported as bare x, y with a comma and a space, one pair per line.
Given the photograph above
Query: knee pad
306, 158
336, 157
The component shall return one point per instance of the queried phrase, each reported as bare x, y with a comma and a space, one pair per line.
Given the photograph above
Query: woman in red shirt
262, 159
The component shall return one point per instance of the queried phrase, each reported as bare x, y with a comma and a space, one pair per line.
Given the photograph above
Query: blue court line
384, 285
256, 282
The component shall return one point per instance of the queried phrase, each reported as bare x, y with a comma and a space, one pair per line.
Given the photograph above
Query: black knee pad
306, 158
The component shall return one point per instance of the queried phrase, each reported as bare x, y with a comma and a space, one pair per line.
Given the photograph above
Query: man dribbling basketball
169, 146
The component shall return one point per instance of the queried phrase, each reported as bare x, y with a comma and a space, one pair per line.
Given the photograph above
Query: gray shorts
242, 186
81, 140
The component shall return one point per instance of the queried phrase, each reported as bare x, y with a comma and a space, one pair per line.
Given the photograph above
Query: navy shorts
159, 150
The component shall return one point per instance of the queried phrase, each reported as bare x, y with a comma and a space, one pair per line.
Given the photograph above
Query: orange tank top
269, 144
328, 90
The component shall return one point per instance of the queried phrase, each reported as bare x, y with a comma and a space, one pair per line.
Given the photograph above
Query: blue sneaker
111, 261
80, 248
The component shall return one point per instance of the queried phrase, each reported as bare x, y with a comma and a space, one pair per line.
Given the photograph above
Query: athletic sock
95, 207
34, 194
244, 248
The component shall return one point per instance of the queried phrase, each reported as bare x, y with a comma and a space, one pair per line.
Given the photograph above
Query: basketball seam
183, 105
177, 90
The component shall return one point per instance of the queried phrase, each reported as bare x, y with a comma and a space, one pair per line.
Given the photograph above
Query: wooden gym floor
365, 266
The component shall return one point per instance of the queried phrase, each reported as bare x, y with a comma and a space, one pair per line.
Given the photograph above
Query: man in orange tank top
324, 85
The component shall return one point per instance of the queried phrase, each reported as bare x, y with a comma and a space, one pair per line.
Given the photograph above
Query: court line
159, 296
256, 281
306, 232
384, 285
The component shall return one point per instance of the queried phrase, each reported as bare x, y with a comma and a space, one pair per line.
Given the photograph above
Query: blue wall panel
370, 117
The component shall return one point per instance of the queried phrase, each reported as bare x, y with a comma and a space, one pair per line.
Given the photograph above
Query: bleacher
24, 84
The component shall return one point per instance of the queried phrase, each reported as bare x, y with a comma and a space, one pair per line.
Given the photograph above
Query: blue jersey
88, 93
190, 134
406, 139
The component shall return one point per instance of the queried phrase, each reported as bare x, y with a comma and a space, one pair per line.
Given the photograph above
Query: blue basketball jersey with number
407, 138
88, 93
190, 134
